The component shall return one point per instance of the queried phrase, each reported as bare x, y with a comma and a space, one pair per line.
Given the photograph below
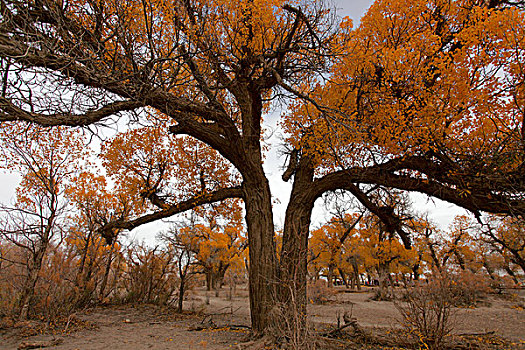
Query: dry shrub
57, 291
427, 312
150, 276
383, 294
12, 274
54, 292
468, 288
320, 293
290, 329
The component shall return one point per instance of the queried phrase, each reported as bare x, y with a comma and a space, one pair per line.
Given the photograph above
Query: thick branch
108, 230
14, 113
292, 165
126, 88
472, 200
385, 214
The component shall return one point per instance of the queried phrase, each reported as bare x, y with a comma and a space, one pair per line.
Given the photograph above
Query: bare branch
14, 113
108, 230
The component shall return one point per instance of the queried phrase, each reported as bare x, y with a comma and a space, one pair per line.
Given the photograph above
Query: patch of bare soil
220, 322
502, 316
139, 327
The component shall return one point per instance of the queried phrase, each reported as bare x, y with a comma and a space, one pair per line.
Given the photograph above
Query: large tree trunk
294, 257
263, 261
294, 253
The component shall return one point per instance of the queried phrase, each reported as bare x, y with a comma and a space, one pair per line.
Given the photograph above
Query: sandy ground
149, 327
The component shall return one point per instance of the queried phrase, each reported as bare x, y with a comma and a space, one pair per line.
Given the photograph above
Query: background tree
507, 236
47, 160
327, 244
95, 207
215, 236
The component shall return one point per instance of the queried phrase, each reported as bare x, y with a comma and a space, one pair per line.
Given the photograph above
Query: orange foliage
421, 76
219, 242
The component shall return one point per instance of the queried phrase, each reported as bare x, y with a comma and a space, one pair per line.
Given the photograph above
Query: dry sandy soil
149, 327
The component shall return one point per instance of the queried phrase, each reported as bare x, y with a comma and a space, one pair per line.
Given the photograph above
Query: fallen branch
352, 323
233, 327
37, 344
476, 334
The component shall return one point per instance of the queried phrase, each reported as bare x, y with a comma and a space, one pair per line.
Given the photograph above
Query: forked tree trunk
355, 274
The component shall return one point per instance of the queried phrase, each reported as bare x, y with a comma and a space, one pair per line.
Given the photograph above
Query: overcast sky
353, 8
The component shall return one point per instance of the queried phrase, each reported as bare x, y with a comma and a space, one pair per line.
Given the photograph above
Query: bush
150, 277
320, 293
427, 312
468, 288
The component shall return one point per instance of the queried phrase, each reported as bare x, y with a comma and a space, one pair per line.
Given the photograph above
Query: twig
476, 334
353, 323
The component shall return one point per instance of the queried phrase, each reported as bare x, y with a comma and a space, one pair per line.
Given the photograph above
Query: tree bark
33, 271
355, 269
383, 270
330, 276
263, 279
343, 277
102, 293
182, 290
294, 253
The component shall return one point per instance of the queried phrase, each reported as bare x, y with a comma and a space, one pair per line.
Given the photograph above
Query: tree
382, 252
215, 237
95, 207
327, 243
210, 69
460, 244
427, 98
507, 236
47, 161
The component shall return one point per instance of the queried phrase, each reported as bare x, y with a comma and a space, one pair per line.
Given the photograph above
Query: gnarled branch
108, 230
